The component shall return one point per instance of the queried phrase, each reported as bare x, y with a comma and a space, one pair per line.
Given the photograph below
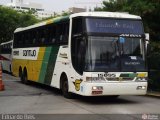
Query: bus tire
20, 74
65, 87
10, 69
113, 96
25, 76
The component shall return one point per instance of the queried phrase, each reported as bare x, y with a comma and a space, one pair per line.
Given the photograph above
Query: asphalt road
39, 99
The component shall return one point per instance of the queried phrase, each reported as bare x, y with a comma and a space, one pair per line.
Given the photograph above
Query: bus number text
107, 75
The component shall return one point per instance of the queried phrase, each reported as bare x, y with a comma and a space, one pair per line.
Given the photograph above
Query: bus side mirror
147, 44
147, 36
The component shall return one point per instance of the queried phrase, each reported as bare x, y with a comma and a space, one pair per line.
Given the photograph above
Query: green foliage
65, 13
26, 19
10, 20
154, 80
57, 15
154, 66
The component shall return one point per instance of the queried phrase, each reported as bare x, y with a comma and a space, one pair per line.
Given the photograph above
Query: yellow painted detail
49, 21
41, 53
77, 84
142, 75
33, 66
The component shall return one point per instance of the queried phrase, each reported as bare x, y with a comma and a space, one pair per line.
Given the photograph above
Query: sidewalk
153, 94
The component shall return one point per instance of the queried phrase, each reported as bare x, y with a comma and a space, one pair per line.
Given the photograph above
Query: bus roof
85, 14
54, 20
106, 14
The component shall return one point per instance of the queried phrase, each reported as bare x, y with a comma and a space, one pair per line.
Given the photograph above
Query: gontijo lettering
29, 53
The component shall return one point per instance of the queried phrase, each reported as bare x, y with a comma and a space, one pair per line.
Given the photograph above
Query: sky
62, 5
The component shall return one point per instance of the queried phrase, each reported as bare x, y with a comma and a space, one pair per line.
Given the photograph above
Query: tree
26, 19
10, 20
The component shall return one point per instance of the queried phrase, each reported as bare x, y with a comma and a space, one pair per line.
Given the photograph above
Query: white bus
6, 56
90, 54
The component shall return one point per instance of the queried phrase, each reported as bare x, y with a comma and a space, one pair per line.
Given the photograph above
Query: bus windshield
115, 54
109, 45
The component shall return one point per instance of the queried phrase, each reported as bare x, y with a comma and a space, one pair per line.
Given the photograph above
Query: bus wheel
24, 77
65, 88
20, 74
10, 69
113, 96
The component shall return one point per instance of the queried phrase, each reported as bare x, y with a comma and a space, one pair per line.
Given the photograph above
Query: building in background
76, 10
38, 10
36, 7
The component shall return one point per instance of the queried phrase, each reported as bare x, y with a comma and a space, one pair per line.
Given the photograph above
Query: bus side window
33, 38
20, 40
42, 38
37, 37
53, 34
77, 26
62, 33
26, 38
62, 27
15, 40
38, 40
66, 33
58, 27
45, 36
78, 46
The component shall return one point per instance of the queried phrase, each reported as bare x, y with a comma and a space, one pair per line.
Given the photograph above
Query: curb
153, 94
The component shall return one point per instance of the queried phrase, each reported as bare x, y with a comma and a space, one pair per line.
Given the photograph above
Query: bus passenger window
42, 39
77, 26
20, 41
52, 34
53, 40
46, 36
61, 38
33, 37
37, 37
78, 46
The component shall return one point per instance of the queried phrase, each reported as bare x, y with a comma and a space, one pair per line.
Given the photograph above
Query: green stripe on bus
44, 65
128, 75
51, 65
60, 19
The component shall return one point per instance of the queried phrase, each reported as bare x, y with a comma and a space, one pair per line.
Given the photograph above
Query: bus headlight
141, 79
97, 88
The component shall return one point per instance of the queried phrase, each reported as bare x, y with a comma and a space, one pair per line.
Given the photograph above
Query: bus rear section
6, 56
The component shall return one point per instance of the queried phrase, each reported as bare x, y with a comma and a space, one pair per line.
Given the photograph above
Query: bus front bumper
121, 88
